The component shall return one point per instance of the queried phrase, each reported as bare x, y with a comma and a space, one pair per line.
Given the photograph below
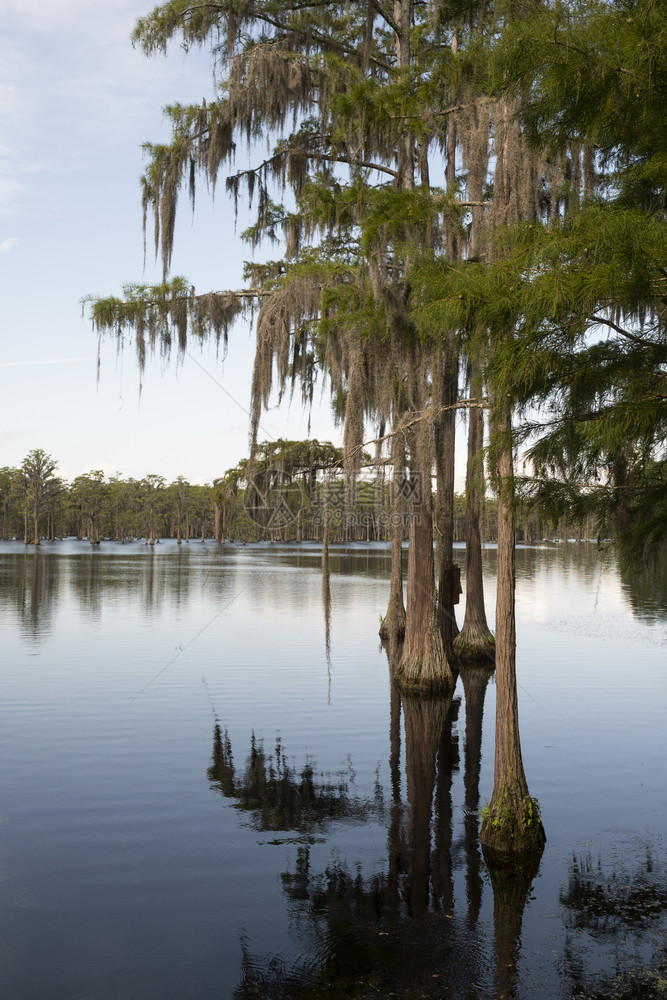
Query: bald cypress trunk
510, 823
424, 665
475, 639
393, 623
403, 11
444, 370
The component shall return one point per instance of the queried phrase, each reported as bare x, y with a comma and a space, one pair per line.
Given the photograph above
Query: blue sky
76, 102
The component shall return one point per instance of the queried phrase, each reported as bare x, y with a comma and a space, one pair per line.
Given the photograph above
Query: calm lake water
199, 801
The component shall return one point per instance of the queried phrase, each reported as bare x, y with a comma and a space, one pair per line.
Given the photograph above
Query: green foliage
358, 108
502, 816
595, 72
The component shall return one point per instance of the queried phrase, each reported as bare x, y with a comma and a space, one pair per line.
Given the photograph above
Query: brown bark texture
475, 639
393, 623
445, 392
423, 666
510, 823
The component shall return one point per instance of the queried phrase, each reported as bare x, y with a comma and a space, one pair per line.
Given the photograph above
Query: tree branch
311, 154
385, 16
624, 333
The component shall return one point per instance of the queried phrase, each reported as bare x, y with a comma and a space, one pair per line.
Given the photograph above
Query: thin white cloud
6, 246
53, 361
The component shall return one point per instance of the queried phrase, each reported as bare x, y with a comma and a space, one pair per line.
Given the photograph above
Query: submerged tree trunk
475, 640
511, 822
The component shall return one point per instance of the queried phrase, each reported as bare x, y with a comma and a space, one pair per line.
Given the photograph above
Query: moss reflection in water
389, 933
398, 931
278, 796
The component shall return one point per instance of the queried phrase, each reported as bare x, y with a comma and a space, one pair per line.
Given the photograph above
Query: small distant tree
152, 489
89, 493
38, 486
179, 498
225, 492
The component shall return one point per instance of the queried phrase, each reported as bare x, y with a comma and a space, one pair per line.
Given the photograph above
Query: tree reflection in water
396, 933
279, 797
393, 932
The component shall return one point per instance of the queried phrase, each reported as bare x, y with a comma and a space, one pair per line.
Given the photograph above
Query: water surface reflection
340, 856
394, 931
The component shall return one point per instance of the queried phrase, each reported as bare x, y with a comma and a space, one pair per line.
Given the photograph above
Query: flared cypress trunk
475, 639
423, 665
510, 823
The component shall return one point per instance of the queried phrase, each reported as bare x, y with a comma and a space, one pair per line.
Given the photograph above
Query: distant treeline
295, 491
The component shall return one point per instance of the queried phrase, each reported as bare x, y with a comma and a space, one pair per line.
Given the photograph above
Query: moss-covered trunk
510, 823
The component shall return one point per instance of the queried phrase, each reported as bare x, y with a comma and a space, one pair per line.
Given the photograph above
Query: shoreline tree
38, 486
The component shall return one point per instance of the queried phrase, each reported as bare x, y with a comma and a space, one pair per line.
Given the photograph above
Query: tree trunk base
425, 670
507, 833
392, 627
475, 643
